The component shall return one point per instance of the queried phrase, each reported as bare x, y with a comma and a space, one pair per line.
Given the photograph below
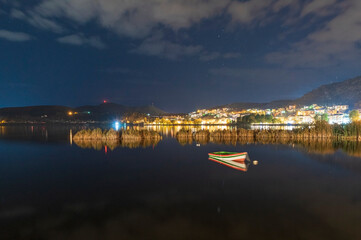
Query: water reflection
113, 144
64, 134
307, 190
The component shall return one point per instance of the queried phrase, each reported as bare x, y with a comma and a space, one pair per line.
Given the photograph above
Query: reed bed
96, 134
97, 139
111, 134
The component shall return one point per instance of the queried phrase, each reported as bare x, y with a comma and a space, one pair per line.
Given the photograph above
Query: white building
339, 119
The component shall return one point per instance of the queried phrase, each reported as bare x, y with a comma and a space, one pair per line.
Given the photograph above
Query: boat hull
228, 156
230, 159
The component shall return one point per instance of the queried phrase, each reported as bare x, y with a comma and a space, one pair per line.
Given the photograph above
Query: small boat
228, 155
231, 159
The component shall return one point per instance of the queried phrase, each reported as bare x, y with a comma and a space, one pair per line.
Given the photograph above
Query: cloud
325, 38
37, 20
136, 18
262, 12
15, 36
157, 46
320, 7
139, 18
44, 23
15, 13
209, 56
336, 42
81, 40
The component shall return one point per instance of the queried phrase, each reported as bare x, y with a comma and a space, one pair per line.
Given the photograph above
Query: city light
70, 113
116, 125
277, 116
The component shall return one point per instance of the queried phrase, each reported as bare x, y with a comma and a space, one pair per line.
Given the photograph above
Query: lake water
53, 188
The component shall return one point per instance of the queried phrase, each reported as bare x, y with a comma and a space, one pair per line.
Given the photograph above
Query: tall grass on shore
96, 134
97, 138
313, 145
318, 130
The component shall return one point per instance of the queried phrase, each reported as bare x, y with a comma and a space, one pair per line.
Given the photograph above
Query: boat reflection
238, 165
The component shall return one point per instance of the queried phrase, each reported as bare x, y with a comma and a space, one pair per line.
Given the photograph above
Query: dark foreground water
52, 189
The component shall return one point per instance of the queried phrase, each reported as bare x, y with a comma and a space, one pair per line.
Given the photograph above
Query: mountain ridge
104, 111
347, 92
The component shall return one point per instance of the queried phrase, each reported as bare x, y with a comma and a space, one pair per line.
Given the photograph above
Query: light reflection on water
51, 189
65, 134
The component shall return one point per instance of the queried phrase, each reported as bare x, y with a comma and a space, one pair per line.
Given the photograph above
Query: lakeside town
292, 115
151, 116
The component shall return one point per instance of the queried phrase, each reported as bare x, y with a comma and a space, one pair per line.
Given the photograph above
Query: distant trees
322, 117
135, 116
353, 129
197, 121
354, 115
256, 118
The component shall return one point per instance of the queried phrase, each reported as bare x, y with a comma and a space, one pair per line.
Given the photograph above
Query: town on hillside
336, 114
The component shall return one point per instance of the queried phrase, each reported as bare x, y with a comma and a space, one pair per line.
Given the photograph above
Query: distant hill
273, 104
105, 111
33, 112
347, 92
114, 108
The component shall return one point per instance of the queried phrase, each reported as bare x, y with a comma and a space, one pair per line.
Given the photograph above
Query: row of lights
70, 113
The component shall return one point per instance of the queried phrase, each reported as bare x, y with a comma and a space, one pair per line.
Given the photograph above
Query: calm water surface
51, 188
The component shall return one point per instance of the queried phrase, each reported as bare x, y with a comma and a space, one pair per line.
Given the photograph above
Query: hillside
273, 104
347, 92
33, 112
102, 112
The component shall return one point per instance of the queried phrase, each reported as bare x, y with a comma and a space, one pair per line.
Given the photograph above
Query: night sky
178, 54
